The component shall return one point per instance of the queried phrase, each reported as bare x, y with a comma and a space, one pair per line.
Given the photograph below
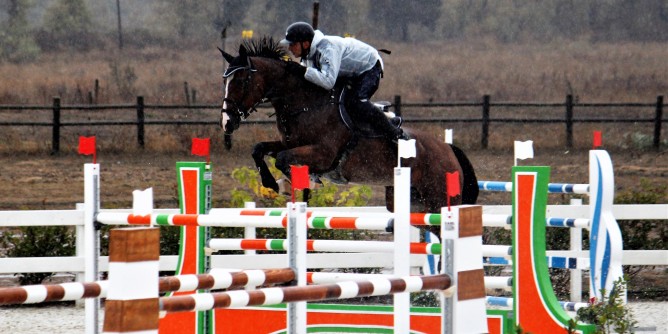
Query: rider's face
297, 48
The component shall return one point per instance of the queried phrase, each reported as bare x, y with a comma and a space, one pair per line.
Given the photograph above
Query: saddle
359, 128
358, 125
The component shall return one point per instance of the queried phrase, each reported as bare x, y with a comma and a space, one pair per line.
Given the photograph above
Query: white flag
448, 136
142, 202
524, 149
407, 148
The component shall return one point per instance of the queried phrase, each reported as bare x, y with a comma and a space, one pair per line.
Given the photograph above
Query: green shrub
611, 315
38, 241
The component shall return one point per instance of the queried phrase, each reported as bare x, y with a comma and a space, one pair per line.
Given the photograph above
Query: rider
329, 57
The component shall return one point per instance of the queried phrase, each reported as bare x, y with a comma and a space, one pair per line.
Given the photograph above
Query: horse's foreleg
260, 150
309, 155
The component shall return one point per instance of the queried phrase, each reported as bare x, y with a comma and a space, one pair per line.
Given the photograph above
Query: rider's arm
325, 69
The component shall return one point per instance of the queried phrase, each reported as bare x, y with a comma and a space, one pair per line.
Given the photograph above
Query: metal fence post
569, 120
657, 121
485, 121
55, 131
140, 121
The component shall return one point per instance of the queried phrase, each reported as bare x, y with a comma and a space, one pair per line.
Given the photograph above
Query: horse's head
246, 85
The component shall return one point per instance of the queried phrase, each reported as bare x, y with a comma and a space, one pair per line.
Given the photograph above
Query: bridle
235, 107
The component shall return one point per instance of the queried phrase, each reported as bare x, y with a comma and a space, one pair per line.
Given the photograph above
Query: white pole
92, 250
249, 231
576, 245
80, 251
402, 209
297, 261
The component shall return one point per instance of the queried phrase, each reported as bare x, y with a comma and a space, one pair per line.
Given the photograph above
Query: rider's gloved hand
295, 68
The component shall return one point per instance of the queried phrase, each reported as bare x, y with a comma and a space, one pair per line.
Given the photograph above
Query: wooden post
187, 92
485, 121
657, 121
316, 9
96, 95
55, 131
120, 30
140, 121
569, 120
397, 105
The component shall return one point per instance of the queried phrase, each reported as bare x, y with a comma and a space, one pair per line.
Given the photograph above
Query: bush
609, 316
38, 241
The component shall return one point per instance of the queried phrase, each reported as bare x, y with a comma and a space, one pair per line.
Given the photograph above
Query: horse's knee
283, 163
258, 152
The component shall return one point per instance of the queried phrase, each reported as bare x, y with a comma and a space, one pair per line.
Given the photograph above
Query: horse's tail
470, 190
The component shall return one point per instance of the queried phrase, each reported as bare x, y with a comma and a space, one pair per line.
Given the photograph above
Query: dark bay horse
312, 132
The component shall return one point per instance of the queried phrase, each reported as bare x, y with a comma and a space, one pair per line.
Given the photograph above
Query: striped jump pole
491, 282
216, 280
346, 246
219, 279
505, 221
560, 262
31, 294
132, 304
237, 218
508, 302
554, 188
378, 286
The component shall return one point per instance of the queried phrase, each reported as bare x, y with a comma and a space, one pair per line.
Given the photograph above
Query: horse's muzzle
225, 122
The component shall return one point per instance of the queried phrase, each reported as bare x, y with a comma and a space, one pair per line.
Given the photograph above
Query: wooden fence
485, 106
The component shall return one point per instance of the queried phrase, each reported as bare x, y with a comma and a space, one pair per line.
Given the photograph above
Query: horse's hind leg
260, 150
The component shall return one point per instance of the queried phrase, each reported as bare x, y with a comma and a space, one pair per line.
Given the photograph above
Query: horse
313, 133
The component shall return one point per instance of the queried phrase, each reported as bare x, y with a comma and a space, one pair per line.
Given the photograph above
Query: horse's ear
242, 51
228, 57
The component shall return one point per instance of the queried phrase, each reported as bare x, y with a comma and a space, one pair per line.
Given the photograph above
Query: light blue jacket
334, 56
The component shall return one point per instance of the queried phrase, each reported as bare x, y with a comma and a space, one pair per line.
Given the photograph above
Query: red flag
86, 145
452, 184
598, 141
200, 147
300, 179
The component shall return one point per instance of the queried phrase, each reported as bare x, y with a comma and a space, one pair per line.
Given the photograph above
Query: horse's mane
264, 47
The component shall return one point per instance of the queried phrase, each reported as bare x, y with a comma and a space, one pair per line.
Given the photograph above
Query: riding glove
295, 68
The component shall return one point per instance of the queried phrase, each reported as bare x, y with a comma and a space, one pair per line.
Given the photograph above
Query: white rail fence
75, 264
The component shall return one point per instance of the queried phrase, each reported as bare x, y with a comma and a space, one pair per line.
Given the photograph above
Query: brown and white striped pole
271, 296
217, 279
40, 293
132, 301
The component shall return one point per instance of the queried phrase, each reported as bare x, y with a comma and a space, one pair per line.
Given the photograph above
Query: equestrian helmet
298, 32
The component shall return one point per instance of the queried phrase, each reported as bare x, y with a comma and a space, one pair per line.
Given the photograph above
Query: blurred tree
18, 43
186, 22
397, 17
67, 25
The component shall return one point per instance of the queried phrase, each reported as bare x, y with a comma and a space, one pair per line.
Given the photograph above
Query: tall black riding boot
376, 117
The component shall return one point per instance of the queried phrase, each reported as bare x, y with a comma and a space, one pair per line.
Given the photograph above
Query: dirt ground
56, 181
37, 182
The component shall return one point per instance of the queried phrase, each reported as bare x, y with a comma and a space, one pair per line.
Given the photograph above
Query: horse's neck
296, 93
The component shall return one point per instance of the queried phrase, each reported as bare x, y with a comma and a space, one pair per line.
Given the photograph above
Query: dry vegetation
441, 72
630, 72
